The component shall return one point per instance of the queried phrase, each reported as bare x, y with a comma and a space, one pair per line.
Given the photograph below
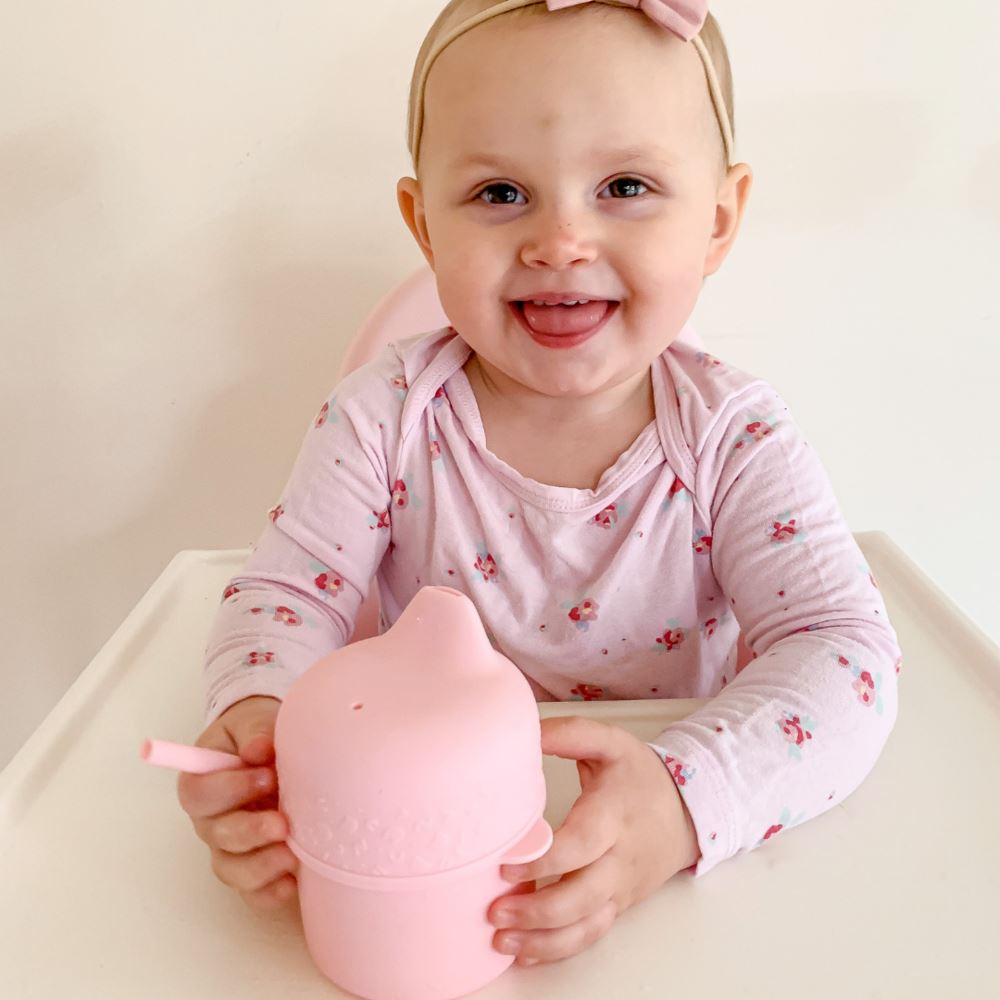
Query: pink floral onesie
719, 517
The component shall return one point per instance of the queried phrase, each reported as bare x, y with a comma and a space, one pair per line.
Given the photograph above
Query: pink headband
684, 19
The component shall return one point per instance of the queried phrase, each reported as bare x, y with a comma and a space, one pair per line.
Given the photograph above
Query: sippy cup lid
414, 752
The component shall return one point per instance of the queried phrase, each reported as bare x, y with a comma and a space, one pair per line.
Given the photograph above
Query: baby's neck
623, 404
582, 438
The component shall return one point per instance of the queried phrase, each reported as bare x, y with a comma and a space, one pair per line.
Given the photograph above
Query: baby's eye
623, 183
506, 191
508, 194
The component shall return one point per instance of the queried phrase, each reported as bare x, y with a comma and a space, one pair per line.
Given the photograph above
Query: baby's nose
557, 245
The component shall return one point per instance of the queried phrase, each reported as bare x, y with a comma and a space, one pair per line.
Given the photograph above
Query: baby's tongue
565, 319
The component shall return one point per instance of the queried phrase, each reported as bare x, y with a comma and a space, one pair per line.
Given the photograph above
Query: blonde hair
457, 11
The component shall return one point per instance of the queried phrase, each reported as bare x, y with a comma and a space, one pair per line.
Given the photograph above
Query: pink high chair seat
413, 307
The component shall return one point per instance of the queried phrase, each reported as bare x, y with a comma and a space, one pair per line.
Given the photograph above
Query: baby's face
571, 153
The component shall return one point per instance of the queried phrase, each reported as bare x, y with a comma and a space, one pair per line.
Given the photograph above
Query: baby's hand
627, 834
235, 812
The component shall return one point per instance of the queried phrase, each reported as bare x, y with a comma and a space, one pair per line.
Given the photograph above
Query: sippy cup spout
443, 626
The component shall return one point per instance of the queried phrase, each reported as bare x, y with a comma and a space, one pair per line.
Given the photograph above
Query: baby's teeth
579, 302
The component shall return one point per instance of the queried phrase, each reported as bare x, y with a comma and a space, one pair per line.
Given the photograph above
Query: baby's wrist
691, 851
684, 832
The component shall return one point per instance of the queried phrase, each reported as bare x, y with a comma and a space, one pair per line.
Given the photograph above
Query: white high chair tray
108, 893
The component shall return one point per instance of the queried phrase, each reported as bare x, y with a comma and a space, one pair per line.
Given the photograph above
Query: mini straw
193, 760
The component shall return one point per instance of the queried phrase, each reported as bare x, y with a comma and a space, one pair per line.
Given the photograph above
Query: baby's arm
297, 597
804, 722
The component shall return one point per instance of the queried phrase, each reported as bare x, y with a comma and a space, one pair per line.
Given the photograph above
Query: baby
618, 504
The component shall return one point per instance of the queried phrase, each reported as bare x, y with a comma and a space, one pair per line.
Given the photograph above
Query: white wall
197, 210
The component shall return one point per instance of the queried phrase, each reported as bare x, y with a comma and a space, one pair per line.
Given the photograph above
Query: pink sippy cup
410, 768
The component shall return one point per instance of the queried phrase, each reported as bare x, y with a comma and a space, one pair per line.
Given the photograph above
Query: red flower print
585, 612
321, 416
287, 615
899, 664
771, 830
794, 731
759, 429
383, 520
275, 512
676, 487
709, 627
398, 382
329, 583
784, 532
671, 638
703, 544
399, 498
229, 591
254, 659
588, 692
435, 449
487, 566
676, 769
865, 687
607, 518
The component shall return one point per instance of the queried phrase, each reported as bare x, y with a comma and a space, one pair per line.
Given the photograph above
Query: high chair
73, 890
413, 307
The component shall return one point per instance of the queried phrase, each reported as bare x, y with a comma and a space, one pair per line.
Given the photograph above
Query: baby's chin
581, 380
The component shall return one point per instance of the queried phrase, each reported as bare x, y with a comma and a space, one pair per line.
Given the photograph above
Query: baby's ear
731, 203
410, 198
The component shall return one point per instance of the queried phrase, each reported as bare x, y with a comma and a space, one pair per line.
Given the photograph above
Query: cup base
432, 943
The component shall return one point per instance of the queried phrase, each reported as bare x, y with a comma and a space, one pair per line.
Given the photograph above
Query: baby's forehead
621, 79
598, 35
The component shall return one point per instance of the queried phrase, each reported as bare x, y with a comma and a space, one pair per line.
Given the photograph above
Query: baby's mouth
561, 320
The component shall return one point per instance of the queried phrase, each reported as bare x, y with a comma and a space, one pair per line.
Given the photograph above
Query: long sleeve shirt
718, 518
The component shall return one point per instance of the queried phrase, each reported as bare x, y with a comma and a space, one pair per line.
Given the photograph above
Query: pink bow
684, 19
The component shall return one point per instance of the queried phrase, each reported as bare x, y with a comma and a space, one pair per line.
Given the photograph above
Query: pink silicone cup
410, 770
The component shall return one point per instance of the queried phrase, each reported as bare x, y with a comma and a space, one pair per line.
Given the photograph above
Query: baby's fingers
241, 831
251, 872
202, 795
274, 895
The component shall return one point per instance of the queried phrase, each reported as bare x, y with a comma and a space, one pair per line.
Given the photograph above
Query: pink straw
193, 760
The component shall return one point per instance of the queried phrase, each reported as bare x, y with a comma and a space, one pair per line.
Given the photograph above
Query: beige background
197, 211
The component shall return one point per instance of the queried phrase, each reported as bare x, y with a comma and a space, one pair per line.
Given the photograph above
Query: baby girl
620, 506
